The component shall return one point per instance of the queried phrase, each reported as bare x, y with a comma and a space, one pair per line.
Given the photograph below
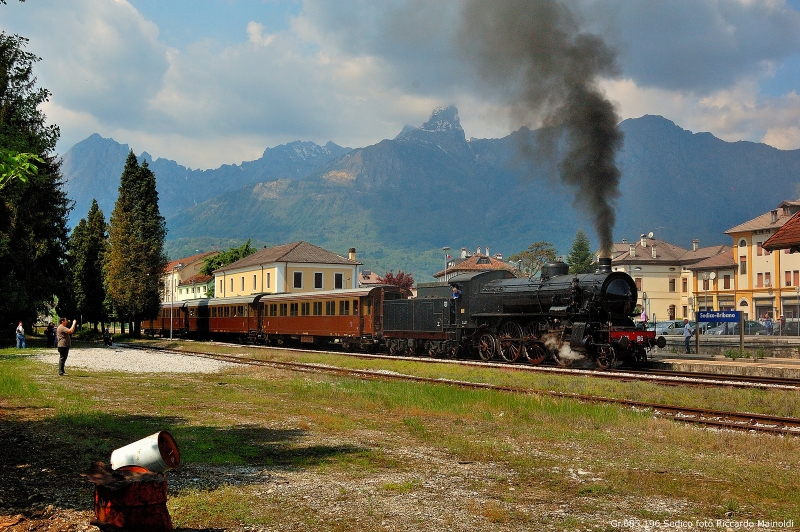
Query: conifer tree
581, 258
33, 211
136, 259
87, 248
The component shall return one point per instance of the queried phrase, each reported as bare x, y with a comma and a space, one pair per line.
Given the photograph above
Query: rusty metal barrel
157, 452
130, 498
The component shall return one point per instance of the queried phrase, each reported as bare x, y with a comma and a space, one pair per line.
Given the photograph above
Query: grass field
275, 450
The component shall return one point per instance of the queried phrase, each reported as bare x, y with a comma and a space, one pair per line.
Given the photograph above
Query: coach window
318, 280
292, 309
298, 279
305, 309
226, 312
213, 312
355, 307
317, 308
367, 307
344, 308
338, 281
330, 308
240, 311
284, 308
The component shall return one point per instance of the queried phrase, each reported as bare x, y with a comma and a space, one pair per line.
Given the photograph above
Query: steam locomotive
557, 317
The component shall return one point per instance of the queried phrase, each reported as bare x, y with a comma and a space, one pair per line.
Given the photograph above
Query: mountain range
401, 200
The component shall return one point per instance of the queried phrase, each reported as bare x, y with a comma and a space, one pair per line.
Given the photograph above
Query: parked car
662, 328
750, 327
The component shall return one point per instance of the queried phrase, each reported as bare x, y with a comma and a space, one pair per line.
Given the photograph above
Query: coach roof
296, 252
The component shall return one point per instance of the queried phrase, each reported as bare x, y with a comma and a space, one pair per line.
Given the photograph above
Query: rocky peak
443, 119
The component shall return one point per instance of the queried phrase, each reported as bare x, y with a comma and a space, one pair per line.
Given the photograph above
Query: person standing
20, 336
64, 336
687, 335
768, 323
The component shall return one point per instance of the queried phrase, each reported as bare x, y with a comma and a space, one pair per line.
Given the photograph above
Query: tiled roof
765, 221
787, 237
196, 279
297, 252
477, 263
723, 259
179, 263
665, 253
367, 277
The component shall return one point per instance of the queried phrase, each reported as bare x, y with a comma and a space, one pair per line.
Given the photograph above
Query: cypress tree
88, 244
136, 259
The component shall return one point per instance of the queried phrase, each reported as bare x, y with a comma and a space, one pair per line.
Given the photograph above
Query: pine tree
136, 259
33, 211
87, 248
581, 258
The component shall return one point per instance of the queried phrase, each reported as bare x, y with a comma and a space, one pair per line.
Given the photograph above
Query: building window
317, 308
221, 288
242, 283
330, 308
759, 280
705, 284
796, 278
768, 279
268, 280
788, 278
742, 243
743, 265
684, 285
254, 283
638, 283
759, 250
672, 285
318, 280
726, 282
298, 279
231, 285
338, 281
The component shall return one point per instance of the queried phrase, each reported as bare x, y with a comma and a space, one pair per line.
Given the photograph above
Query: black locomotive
557, 316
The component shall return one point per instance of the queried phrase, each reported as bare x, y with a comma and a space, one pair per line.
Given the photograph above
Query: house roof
297, 252
787, 237
368, 277
477, 263
667, 253
768, 220
180, 263
723, 259
196, 279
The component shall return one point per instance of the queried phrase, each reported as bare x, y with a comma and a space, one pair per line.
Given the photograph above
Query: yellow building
178, 272
766, 282
295, 267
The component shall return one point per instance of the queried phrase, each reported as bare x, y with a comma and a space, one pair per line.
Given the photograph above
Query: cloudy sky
209, 82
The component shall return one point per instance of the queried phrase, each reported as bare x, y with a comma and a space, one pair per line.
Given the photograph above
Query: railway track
702, 416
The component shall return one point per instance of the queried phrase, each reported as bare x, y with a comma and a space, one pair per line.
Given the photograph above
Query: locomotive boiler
556, 316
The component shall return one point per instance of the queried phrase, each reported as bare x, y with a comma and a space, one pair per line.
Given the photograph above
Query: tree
87, 248
581, 258
135, 258
224, 258
402, 279
532, 259
33, 205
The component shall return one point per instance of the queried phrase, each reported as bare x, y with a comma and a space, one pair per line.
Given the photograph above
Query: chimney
774, 215
695, 244
463, 253
625, 240
653, 247
643, 241
478, 250
633, 250
487, 251
351, 254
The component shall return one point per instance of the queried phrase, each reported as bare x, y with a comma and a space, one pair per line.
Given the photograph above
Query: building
469, 262
195, 287
295, 267
179, 271
768, 276
667, 275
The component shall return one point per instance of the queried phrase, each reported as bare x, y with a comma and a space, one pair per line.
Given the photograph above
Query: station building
181, 278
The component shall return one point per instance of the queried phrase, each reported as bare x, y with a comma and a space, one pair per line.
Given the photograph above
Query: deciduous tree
402, 279
532, 259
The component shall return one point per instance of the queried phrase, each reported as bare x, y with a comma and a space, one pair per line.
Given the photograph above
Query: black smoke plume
533, 53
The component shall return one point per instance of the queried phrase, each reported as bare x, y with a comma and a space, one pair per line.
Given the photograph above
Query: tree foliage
402, 279
224, 258
33, 232
532, 259
135, 258
580, 258
87, 249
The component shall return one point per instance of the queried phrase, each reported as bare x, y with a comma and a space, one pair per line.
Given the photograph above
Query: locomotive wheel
510, 341
454, 351
606, 360
535, 353
486, 346
563, 362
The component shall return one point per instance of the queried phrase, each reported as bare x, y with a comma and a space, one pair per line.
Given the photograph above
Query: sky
212, 82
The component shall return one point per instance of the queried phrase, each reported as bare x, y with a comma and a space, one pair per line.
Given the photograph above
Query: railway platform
763, 361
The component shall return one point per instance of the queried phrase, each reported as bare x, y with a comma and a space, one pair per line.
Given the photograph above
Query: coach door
365, 322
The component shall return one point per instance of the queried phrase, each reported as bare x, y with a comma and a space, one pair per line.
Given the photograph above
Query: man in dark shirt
64, 336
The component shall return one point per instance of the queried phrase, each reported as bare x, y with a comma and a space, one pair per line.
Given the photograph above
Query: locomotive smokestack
549, 71
604, 264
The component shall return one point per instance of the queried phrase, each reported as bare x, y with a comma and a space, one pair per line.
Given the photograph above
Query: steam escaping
533, 53
564, 352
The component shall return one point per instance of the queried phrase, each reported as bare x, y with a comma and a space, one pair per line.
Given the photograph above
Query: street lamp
172, 295
445, 249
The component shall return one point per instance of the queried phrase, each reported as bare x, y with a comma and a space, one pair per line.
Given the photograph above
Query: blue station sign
732, 316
